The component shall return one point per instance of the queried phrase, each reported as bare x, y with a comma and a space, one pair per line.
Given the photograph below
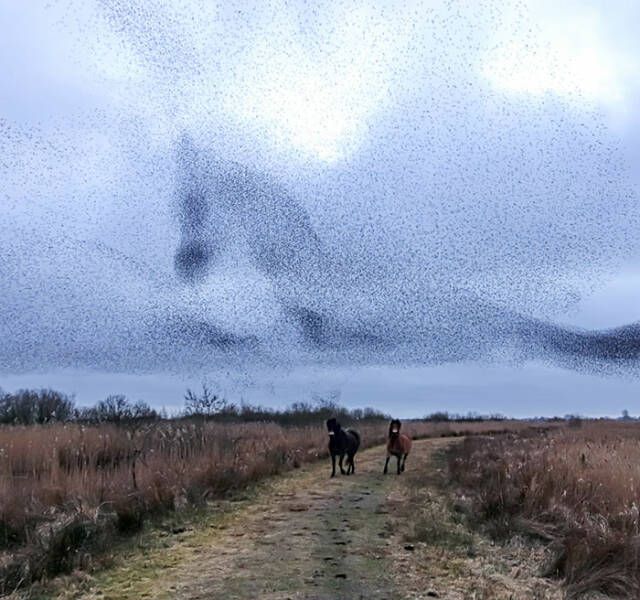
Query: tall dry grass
67, 489
576, 488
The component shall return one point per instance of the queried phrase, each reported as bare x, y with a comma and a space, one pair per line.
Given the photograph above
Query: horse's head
333, 426
394, 428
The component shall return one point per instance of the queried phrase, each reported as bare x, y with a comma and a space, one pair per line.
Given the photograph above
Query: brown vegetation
576, 488
67, 489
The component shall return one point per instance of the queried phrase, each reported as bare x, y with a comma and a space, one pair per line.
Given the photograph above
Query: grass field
576, 488
67, 490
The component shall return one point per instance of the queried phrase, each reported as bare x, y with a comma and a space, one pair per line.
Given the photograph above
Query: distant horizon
449, 388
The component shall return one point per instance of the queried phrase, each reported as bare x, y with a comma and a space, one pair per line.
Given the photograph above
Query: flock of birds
155, 233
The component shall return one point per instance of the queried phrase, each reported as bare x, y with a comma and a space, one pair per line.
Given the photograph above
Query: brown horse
398, 445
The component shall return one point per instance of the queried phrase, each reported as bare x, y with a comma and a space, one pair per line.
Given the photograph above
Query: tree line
39, 407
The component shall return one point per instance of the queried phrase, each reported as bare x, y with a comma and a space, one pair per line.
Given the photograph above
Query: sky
432, 208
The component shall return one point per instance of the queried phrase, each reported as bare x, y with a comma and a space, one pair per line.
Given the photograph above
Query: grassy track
304, 535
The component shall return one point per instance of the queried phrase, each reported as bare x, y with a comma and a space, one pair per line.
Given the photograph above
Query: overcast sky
425, 206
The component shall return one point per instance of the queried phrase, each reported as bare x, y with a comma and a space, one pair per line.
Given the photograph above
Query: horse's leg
386, 463
399, 457
333, 465
341, 467
353, 464
404, 461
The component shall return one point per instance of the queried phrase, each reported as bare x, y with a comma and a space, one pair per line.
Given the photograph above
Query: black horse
341, 442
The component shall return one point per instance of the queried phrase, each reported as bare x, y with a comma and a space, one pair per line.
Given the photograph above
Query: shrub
438, 417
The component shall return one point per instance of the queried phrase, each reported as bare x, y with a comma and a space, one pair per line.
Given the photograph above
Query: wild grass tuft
577, 488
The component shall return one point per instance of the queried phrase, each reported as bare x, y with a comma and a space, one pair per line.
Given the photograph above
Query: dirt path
305, 536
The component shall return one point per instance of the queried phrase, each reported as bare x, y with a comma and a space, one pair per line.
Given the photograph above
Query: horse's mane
354, 433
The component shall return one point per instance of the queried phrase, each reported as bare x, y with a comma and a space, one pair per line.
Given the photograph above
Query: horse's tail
356, 435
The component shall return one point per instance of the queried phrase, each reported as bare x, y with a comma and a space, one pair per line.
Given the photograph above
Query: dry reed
575, 488
67, 489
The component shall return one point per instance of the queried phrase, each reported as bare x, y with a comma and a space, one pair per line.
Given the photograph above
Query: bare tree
119, 409
204, 404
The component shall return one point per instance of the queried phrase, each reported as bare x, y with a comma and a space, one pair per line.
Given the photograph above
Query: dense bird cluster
202, 188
